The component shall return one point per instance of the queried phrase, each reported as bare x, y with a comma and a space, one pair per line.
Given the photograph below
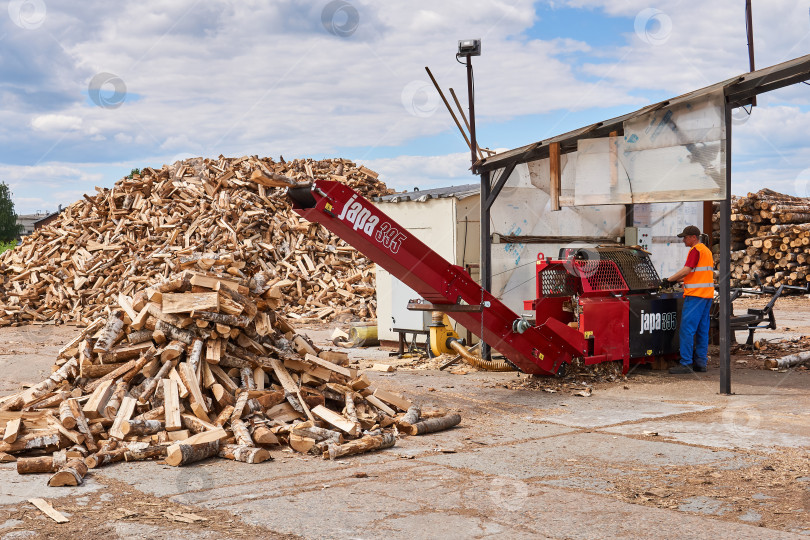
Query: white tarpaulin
600, 177
672, 154
523, 208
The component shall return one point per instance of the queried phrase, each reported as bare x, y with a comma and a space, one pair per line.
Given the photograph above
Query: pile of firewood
770, 236
197, 366
191, 214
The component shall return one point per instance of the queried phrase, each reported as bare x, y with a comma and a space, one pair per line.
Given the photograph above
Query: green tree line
9, 229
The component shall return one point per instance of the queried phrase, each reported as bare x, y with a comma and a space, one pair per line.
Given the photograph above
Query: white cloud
267, 78
700, 42
47, 185
772, 129
13, 174
406, 172
270, 76
179, 142
56, 122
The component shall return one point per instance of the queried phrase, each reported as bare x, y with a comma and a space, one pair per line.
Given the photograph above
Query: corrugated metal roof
738, 91
46, 216
422, 195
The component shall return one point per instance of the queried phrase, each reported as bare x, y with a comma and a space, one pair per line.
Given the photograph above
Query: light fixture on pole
469, 48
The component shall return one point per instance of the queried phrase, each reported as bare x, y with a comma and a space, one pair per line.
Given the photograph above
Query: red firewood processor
599, 304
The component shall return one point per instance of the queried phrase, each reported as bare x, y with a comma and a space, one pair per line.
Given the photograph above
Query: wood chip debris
184, 517
385, 368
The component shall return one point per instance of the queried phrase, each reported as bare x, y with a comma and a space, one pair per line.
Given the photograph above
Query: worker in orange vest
698, 295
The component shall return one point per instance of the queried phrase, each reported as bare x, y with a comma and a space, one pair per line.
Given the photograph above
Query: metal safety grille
600, 275
635, 266
557, 281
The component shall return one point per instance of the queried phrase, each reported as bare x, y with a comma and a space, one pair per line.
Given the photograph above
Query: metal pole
725, 270
749, 30
486, 188
486, 250
471, 98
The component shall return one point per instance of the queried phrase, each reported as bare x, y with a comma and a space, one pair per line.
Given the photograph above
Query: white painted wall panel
440, 224
526, 210
667, 220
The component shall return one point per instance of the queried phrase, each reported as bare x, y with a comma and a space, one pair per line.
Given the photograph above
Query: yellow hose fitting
480, 363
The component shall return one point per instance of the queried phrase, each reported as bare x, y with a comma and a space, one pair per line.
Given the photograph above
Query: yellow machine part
363, 336
440, 330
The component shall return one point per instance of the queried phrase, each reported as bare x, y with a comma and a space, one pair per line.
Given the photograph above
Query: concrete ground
653, 456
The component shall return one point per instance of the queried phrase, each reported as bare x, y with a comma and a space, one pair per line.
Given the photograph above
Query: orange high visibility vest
700, 281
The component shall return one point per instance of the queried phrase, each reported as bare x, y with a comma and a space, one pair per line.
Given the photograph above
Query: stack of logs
192, 213
198, 366
770, 236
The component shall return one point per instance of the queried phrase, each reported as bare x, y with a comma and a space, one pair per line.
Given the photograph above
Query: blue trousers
694, 331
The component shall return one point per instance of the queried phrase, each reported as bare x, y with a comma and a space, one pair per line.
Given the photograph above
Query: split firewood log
111, 332
411, 417
70, 474
105, 457
367, 443
42, 464
245, 454
263, 436
66, 415
241, 433
182, 454
142, 427
149, 452
35, 441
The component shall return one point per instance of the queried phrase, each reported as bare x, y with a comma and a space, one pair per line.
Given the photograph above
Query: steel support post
486, 249
725, 270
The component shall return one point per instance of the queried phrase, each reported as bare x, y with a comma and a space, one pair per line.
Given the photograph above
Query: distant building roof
28, 221
31, 217
31, 222
46, 219
422, 195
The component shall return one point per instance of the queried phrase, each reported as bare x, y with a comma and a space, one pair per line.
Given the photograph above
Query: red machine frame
597, 290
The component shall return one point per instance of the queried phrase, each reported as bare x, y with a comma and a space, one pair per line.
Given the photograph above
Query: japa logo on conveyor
360, 218
650, 322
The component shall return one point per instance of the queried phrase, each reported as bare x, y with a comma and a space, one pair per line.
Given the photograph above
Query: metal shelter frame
738, 91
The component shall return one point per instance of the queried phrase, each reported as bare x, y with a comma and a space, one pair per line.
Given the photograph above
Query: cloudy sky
89, 90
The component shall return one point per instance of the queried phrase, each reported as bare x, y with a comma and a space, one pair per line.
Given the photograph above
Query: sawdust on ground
96, 515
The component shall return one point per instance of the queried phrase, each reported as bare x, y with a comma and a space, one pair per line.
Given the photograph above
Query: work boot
680, 369
699, 369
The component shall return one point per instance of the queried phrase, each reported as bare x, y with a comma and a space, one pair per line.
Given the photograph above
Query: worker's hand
665, 283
